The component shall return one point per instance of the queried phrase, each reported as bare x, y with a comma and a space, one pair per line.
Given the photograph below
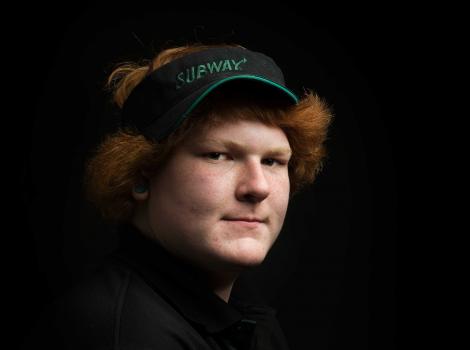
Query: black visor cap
165, 97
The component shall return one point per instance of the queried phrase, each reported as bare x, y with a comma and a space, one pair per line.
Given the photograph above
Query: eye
272, 161
214, 155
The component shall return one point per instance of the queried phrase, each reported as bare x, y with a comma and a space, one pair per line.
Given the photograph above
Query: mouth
245, 219
245, 222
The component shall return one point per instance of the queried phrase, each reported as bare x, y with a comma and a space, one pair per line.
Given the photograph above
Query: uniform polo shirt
145, 298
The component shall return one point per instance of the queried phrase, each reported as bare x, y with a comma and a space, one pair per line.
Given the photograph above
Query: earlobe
140, 192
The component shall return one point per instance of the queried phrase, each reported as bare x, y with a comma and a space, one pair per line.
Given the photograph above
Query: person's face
218, 179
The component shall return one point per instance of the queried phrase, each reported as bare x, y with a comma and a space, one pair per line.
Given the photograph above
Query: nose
253, 186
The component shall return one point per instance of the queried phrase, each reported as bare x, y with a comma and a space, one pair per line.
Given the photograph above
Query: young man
212, 147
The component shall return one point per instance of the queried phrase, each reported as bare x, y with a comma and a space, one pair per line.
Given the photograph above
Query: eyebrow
281, 151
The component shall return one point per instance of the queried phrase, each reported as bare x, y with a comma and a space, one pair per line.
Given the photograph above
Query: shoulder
114, 308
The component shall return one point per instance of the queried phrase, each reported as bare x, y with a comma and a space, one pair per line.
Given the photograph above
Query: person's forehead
242, 134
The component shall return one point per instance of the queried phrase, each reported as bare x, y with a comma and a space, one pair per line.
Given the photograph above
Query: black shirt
145, 298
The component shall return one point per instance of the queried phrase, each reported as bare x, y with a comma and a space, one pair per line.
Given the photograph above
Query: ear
145, 175
140, 191
141, 188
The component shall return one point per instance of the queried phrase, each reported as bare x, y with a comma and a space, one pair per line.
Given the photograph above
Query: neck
222, 284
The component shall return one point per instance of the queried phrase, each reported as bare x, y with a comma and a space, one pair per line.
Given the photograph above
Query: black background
332, 273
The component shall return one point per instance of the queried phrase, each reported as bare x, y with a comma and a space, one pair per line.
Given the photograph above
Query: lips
247, 219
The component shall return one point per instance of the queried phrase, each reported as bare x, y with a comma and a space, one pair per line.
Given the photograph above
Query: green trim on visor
246, 76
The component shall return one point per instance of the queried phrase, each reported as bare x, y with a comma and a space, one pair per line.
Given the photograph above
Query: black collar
180, 284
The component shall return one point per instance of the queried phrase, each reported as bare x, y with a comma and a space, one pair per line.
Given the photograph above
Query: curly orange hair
126, 157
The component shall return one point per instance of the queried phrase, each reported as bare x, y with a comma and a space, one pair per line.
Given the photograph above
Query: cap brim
175, 116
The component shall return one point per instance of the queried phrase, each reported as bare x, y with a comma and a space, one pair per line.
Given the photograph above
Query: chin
247, 252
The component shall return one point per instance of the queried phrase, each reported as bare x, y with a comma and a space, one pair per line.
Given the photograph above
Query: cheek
280, 194
192, 191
